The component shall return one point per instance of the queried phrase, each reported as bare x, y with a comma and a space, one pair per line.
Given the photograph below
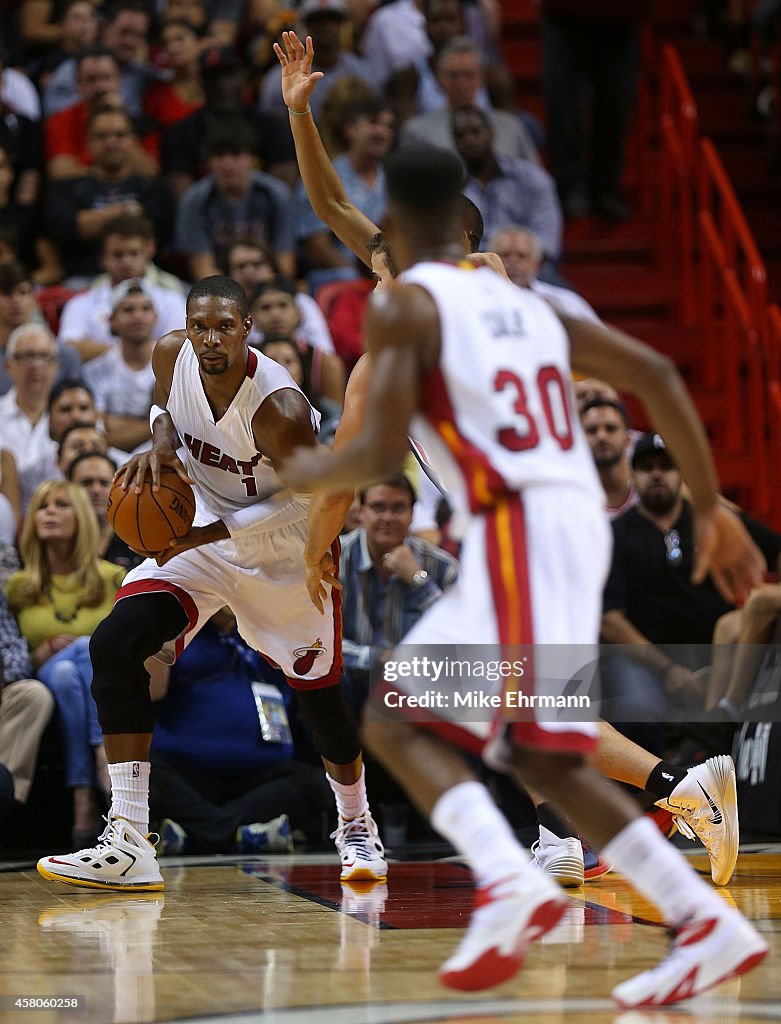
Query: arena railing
722, 288
723, 225
733, 311
774, 412
679, 132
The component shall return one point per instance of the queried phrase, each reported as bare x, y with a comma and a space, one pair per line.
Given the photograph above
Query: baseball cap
310, 7
219, 58
648, 445
133, 284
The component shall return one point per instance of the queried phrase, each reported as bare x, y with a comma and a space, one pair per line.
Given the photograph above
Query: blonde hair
35, 578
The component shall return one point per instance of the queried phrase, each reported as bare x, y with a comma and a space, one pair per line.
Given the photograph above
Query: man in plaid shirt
389, 578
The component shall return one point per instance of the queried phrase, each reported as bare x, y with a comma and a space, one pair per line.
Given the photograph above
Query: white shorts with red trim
261, 578
532, 573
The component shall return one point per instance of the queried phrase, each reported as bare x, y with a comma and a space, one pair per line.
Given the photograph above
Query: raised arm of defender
322, 183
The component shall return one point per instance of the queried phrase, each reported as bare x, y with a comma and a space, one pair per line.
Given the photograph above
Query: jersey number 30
554, 396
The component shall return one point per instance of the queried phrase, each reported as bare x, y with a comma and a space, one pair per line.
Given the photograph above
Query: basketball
150, 520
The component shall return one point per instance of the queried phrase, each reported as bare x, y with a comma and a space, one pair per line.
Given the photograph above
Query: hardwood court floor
280, 940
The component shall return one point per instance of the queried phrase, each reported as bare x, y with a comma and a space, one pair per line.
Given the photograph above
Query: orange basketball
150, 520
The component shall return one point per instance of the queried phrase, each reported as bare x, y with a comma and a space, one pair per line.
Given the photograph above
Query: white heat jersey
498, 413
222, 458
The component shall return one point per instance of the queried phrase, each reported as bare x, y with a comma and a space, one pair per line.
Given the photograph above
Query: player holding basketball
486, 366
238, 414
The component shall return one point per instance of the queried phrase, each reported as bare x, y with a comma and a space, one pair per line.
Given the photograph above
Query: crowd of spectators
146, 145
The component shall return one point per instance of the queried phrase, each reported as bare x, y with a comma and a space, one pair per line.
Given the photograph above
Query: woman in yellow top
59, 597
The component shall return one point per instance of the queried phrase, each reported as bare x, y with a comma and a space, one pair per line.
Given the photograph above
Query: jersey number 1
550, 385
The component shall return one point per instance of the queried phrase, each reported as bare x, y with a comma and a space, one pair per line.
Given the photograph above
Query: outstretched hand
298, 79
726, 551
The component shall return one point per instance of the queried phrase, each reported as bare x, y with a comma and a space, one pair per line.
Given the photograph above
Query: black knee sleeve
334, 732
136, 628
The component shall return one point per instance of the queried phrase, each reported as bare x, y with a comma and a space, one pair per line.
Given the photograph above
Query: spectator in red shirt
166, 103
67, 150
344, 310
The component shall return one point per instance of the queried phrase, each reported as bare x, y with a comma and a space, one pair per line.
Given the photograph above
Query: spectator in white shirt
128, 246
395, 38
17, 93
520, 250
31, 362
122, 379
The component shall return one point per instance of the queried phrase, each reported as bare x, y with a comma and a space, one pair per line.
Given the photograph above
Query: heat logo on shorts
305, 657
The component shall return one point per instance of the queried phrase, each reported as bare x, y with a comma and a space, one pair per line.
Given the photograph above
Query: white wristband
154, 412
281, 509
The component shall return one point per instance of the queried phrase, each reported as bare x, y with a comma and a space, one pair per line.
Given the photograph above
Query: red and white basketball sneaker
121, 859
706, 949
508, 916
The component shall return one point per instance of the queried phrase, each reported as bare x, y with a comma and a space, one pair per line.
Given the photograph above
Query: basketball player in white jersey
486, 368
237, 414
685, 794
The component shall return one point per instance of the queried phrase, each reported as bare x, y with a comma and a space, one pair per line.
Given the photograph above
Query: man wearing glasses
389, 579
31, 362
649, 598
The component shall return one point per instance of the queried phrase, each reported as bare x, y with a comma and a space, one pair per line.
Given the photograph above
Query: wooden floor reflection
282, 941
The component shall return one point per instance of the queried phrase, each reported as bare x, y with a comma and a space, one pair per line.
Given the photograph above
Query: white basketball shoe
562, 859
360, 849
704, 805
122, 859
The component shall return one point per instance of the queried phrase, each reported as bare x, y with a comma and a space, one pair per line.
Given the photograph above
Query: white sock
130, 793
351, 800
471, 822
658, 871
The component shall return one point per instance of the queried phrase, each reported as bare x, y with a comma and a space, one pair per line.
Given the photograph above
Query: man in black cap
649, 598
224, 79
